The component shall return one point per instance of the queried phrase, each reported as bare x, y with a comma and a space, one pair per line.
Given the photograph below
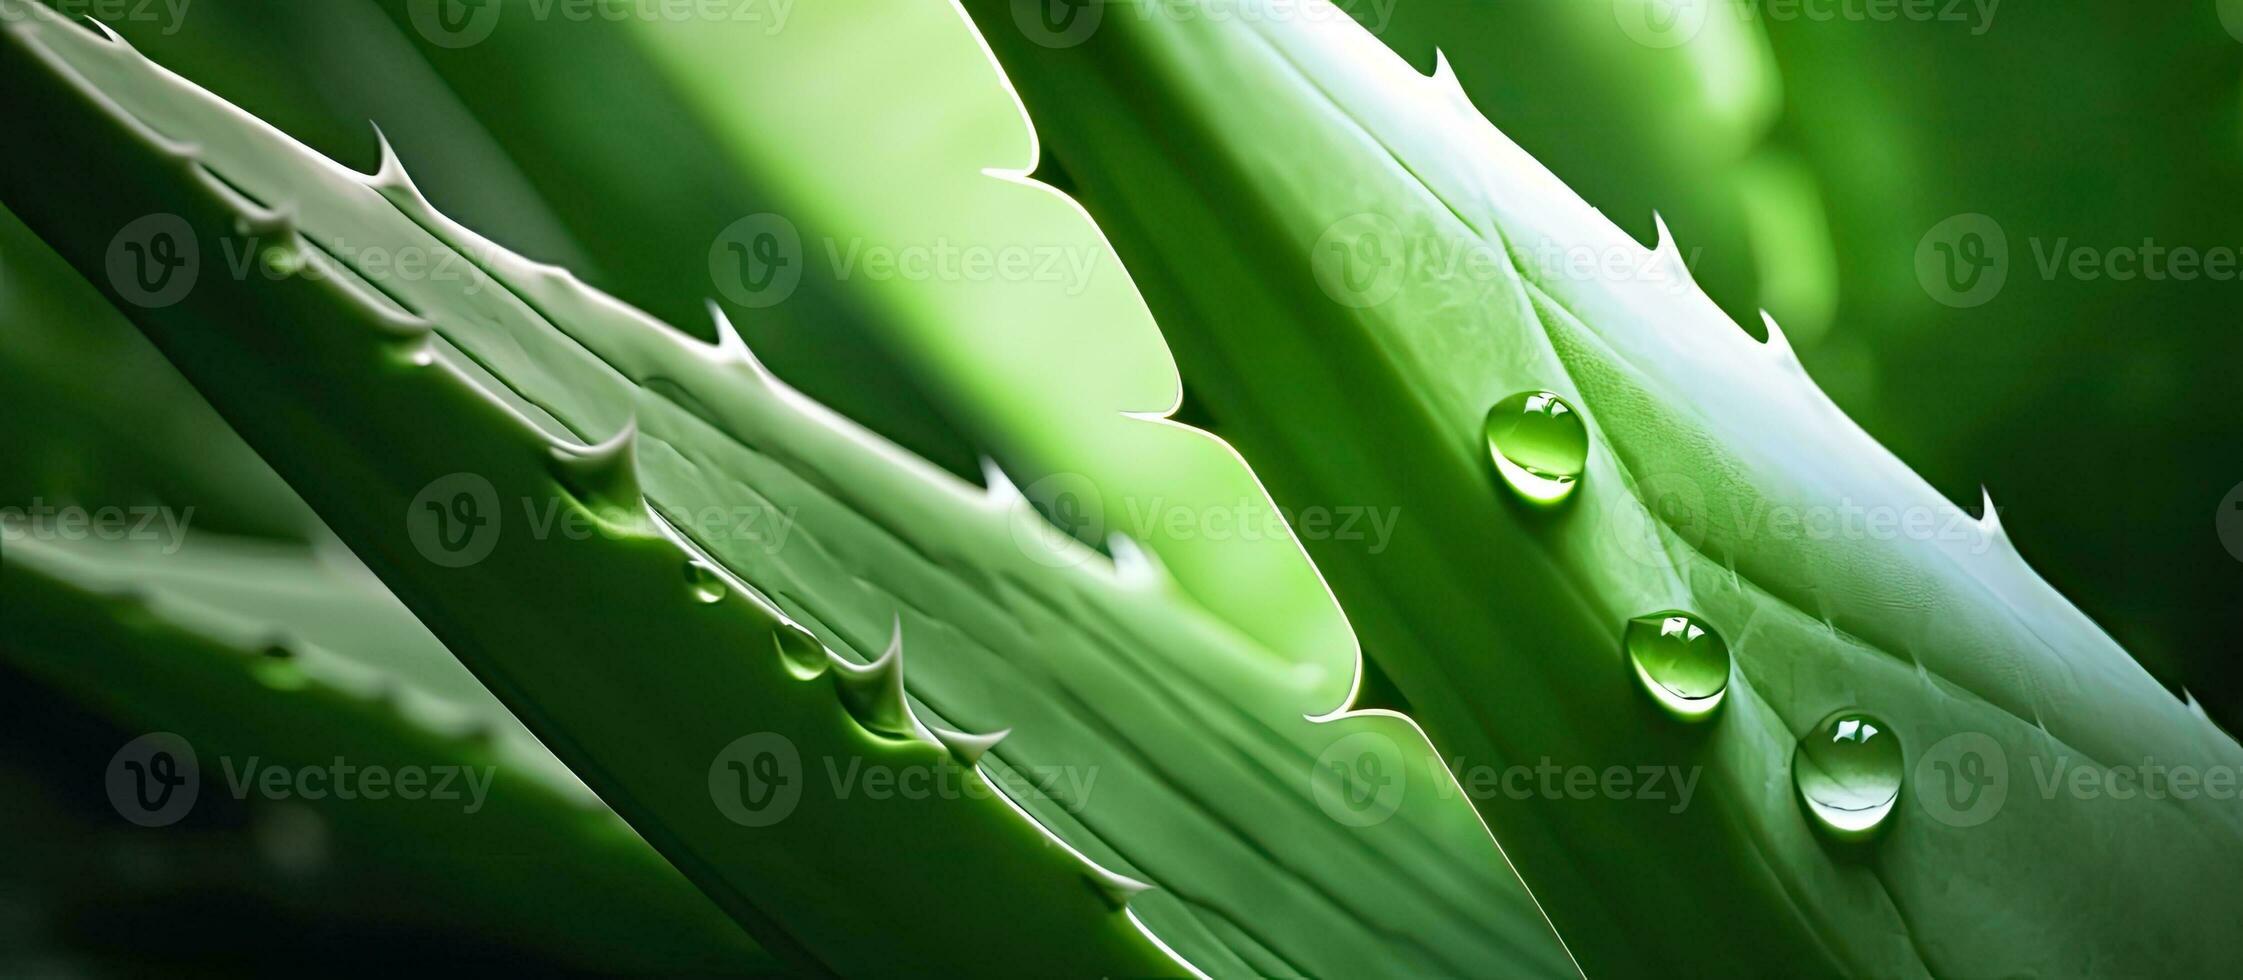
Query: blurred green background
1809, 157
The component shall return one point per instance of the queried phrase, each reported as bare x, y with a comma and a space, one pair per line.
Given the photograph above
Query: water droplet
1682, 662
280, 675
1848, 771
1539, 444
707, 585
283, 262
805, 657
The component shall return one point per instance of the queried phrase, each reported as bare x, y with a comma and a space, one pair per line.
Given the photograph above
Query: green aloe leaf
642, 649
111, 426
1715, 478
266, 656
107, 422
1061, 351
1646, 106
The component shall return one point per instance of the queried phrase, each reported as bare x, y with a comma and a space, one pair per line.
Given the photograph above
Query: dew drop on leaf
805, 657
1682, 663
1539, 444
1848, 771
707, 585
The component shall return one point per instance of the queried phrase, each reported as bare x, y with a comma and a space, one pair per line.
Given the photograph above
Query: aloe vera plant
275, 646
167, 645
1070, 656
1587, 468
1502, 622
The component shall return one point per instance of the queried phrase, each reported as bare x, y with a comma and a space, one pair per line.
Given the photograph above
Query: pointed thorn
1001, 489
967, 748
1990, 518
1134, 564
604, 473
733, 347
873, 693
108, 33
389, 177
1444, 79
1778, 343
1667, 251
1116, 889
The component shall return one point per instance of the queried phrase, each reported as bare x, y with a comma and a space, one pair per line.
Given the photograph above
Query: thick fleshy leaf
264, 657
1155, 739
1718, 480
